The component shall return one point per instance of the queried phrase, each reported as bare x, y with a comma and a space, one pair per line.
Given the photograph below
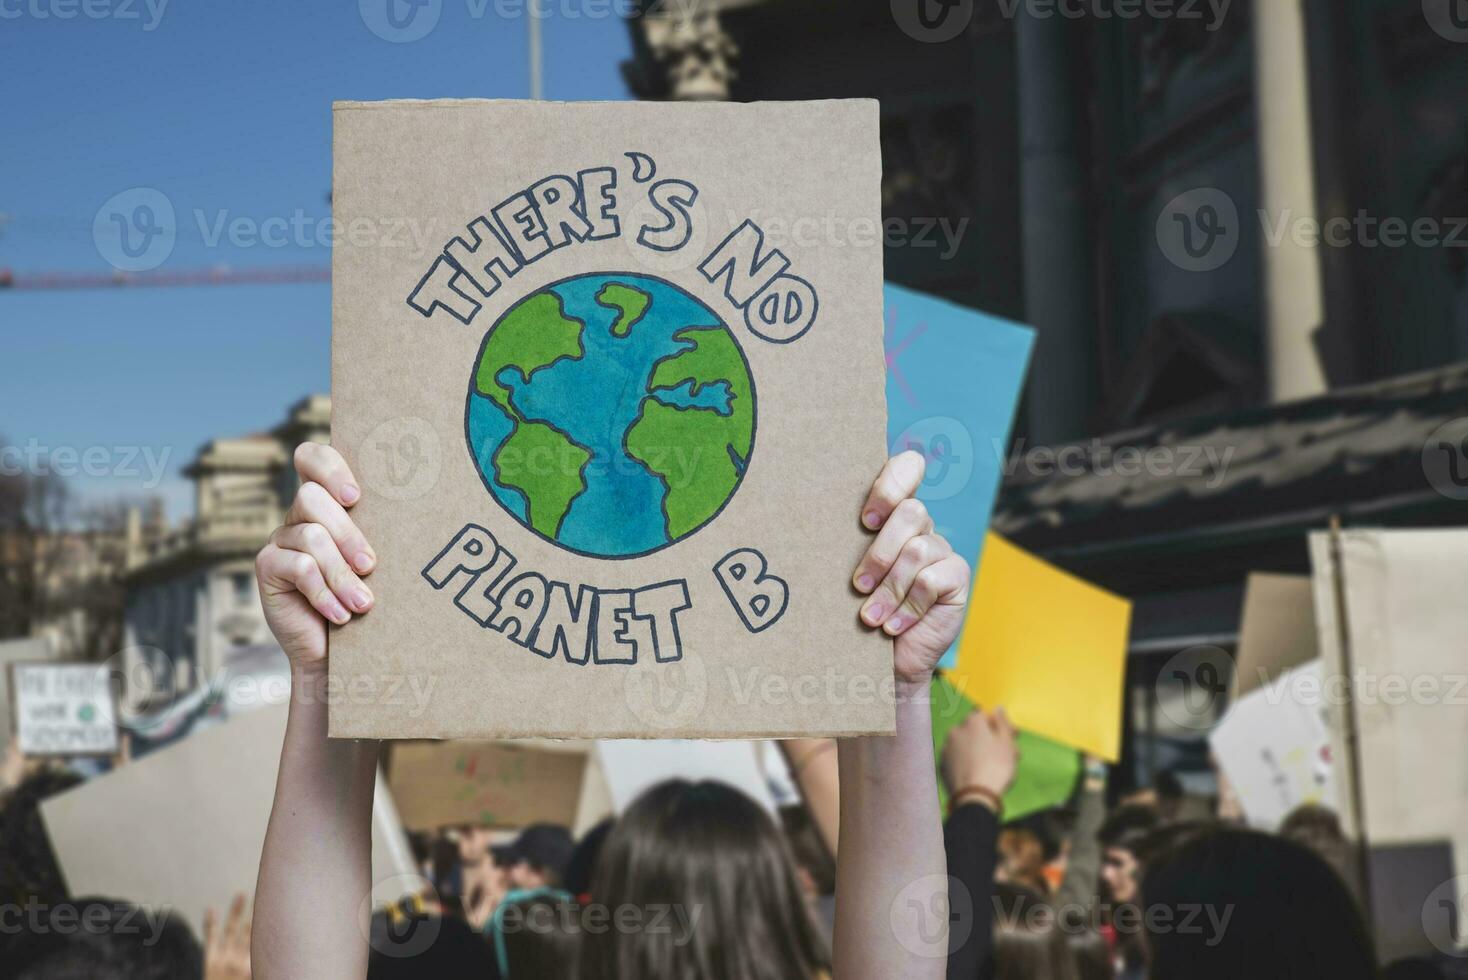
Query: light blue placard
953, 381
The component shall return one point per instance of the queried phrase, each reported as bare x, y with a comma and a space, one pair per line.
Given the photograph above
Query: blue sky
224, 108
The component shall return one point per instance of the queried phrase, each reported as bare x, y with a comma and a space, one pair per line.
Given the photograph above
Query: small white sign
1274, 746
64, 709
633, 765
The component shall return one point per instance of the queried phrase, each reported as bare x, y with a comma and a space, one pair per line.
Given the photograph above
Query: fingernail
895, 625
865, 583
337, 613
350, 494
872, 519
362, 599
873, 614
364, 561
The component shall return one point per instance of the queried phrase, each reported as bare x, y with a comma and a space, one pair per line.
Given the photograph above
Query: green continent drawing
536, 458
629, 302
612, 414
715, 445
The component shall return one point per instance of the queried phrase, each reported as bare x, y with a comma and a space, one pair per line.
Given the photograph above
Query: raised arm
979, 763
891, 879
316, 868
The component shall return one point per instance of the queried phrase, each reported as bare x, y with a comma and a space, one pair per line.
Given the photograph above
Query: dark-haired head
412, 945
1267, 909
1121, 836
583, 859
28, 868
103, 939
1028, 943
706, 888
1025, 847
537, 937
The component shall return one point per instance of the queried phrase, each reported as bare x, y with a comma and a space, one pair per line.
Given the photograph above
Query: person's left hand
916, 586
981, 752
227, 947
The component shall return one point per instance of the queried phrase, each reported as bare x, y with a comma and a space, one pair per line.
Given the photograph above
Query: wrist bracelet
985, 795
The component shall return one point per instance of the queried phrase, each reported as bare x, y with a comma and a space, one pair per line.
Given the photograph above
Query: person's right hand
310, 571
227, 947
981, 752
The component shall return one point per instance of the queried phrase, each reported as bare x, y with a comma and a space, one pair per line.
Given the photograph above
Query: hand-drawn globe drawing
611, 413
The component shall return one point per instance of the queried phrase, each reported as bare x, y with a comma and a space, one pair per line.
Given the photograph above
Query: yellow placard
1047, 646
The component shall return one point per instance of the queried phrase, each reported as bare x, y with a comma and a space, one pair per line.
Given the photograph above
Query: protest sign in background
954, 377
491, 784
1274, 746
1048, 647
184, 827
1391, 617
63, 709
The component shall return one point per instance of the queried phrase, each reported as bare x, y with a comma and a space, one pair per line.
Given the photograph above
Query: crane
214, 276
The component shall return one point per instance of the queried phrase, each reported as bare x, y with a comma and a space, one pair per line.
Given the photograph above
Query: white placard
1274, 746
63, 709
187, 823
633, 765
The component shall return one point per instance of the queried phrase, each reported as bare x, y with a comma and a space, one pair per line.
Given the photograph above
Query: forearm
891, 876
970, 839
813, 764
1083, 868
316, 867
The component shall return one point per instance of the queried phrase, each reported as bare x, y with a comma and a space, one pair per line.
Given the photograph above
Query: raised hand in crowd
980, 759
891, 852
311, 570
227, 944
311, 573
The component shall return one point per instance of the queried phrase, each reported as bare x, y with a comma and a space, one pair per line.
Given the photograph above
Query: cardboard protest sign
63, 709
1391, 619
614, 426
1048, 647
184, 827
633, 766
1047, 772
953, 380
1274, 746
492, 784
1276, 630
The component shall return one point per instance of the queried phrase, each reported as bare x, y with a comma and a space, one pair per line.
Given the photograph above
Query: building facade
1240, 231
191, 597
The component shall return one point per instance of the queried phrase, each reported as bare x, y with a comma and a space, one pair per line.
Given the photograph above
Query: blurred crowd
695, 879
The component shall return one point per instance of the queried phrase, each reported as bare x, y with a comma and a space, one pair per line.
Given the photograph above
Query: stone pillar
1059, 288
1294, 299
687, 41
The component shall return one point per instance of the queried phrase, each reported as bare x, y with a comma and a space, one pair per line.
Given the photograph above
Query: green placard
1047, 770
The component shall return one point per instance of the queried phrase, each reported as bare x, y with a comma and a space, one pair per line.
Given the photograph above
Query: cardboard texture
63, 709
1048, 647
1391, 624
1276, 630
183, 828
1047, 772
492, 784
639, 352
1274, 746
953, 380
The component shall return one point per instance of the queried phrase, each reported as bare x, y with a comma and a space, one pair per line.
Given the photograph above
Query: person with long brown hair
891, 877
